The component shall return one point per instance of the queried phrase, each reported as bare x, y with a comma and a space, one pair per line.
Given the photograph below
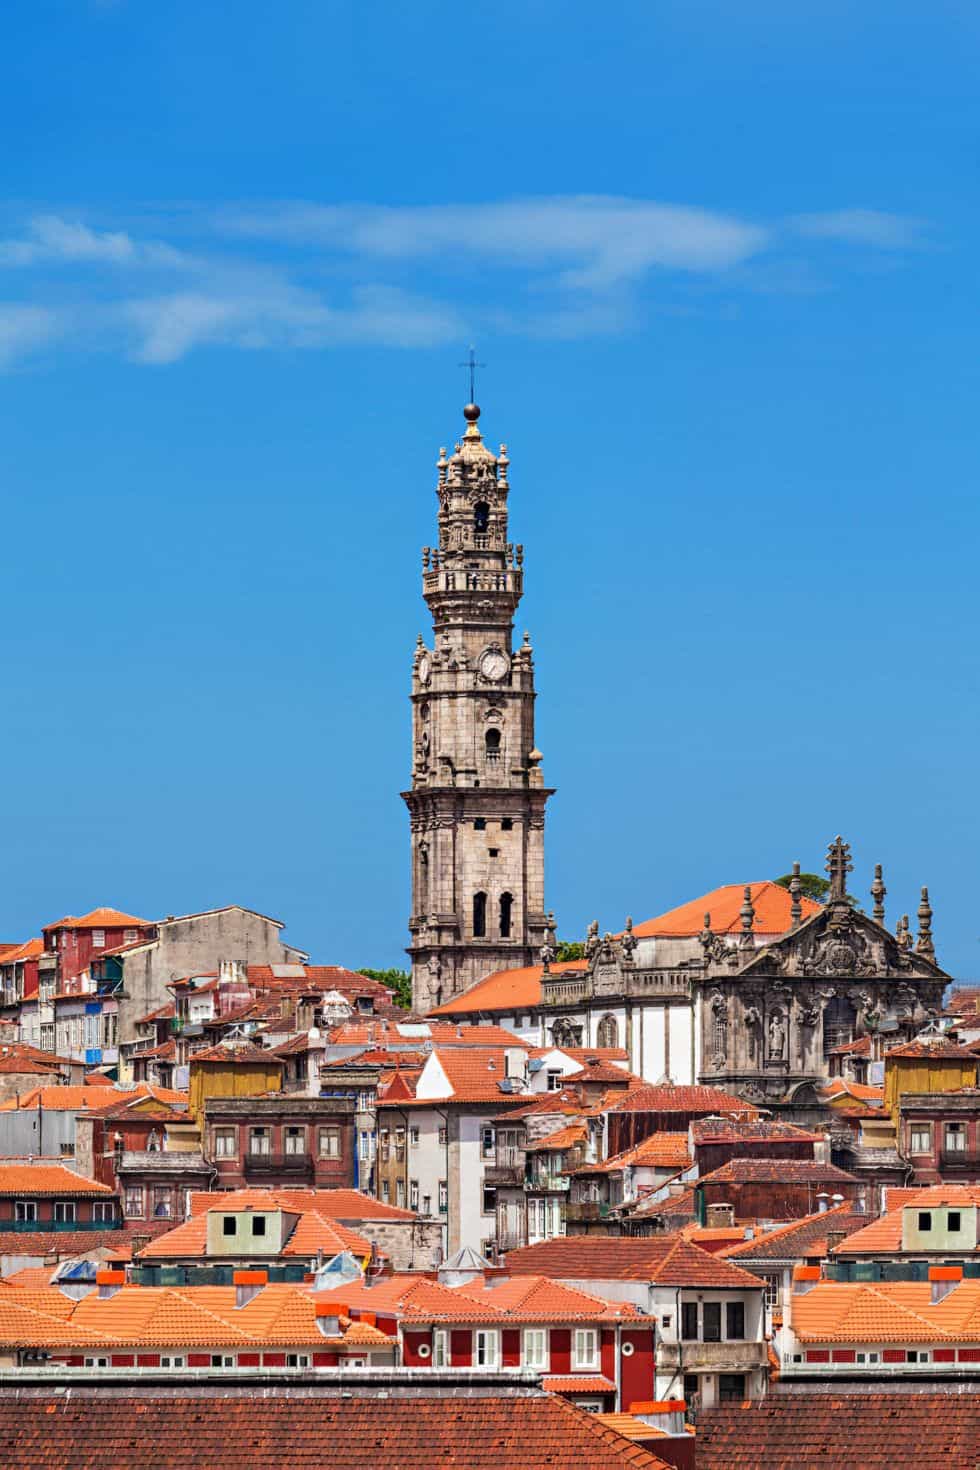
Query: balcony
720, 1357
585, 1212
278, 1163
504, 1175
547, 1184
960, 1158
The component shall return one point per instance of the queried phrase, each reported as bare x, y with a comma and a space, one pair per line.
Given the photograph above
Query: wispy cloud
49, 239
600, 241
309, 276
864, 227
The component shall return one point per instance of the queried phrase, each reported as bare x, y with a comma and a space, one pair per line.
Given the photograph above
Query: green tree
811, 885
567, 949
399, 982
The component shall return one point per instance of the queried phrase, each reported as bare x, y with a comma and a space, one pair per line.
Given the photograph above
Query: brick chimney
248, 1284
942, 1280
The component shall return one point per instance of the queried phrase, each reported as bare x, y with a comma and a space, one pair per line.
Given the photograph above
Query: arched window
506, 905
607, 1033
492, 742
481, 517
479, 915
838, 1023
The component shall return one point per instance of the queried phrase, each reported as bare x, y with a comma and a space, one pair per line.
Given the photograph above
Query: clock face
494, 664
425, 669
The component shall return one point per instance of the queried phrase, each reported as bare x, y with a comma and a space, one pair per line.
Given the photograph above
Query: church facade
477, 797
748, 988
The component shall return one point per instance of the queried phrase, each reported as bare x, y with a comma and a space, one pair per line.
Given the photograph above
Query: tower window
492, 740
507, 825
480, 824
479, 915
506, 905
481, 516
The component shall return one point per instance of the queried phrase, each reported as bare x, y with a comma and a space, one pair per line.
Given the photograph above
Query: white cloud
50, 239
23, 328
170, 325
600, 241
863, 227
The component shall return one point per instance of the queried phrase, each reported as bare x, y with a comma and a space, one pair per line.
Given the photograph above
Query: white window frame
171, 1360
536, 1348
225, 1143
65, 1211
585, 1349
297, 1360
486, 1348
413, 1195
98, 939
260, 1140
440, 1348
488, 1142
25, 1209
330, 1136
957, 1132
295, 1141
919, 1130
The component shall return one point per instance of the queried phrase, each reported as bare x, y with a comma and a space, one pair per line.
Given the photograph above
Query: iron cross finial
472, 364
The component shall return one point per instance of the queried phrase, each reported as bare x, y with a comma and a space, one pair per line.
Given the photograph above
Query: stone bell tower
478, 796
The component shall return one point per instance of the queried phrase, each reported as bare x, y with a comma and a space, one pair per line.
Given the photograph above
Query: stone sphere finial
471, 413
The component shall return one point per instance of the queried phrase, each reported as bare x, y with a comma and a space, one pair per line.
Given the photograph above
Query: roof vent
109, 1281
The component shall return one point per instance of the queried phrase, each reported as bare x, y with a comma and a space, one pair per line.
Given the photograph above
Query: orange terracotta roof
101, 918
885, 1233
505, 990
561, 1139
668, 1098
47, 1179
938, 1049
524, 1298
887, 1311
81, 1099
348, 1205
770, 900
474, 1076
667, 1260
843, 1087
28, 951
596, 1070
630, 1426
659, 1151
311, 1233
240, 1054
584, 1383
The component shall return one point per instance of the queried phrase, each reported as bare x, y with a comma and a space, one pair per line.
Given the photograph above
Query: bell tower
478, 796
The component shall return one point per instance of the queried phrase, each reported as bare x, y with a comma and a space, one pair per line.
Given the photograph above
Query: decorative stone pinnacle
747, 912
924, 944
795, 889
838, 866
878, 891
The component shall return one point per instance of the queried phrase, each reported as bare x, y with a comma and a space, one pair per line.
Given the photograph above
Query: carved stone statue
777, 1037
592, 939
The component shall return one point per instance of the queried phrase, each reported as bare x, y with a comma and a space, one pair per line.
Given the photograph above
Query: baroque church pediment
836, 943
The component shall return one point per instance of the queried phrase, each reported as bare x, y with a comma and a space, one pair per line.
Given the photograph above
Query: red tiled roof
885, 1233
505, 990
668, 1098
779, 1171
569, 1383
800, 1238
770, 900
876, 1431
667, 1260
522, 1298
311, 1233
659, 1151
887, 1311
474, 1076
27, 951
599, 1071
749, 1130
241, 1053
101, 918
940, 1049
81, 1099
46, 1179
562, 1138
279, 1431
348, 1205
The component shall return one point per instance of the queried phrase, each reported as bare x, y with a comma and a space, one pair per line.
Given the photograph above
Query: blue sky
721, 264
